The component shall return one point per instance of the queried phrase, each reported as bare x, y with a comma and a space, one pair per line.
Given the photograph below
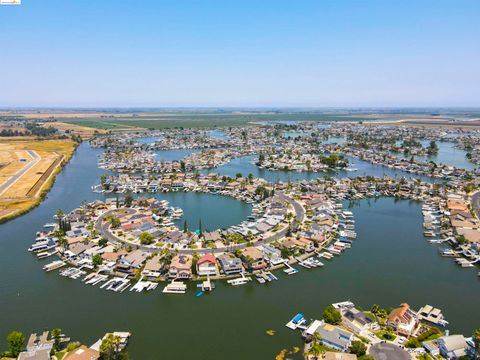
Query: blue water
448, 155
148, 140
173, 155
243, 165
219, 134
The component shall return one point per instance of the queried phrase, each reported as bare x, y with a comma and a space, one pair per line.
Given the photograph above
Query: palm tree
63, 242
59, 215
316, 349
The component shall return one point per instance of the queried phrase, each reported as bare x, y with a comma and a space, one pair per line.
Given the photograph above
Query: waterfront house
38, 347
153, 267
132, 261
207, 265
357, 320
180, 267
272, 254
83, 353
332, 336
403, 319
230, 264
253, 259
453, 346
212, 236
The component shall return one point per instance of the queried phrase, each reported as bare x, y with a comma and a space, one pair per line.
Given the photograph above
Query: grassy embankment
29, 190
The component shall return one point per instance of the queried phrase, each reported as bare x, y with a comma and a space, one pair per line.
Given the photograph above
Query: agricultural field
27, 169
84, 132
165, 121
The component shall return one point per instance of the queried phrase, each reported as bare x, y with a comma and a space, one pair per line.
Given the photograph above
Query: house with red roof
207, 265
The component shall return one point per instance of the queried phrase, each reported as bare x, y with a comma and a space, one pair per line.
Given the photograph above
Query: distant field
27, 169
200, 120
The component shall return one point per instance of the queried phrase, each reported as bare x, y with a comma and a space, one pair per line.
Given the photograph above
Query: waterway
174, 155
208, 208
243, 165
390, 262
448, 154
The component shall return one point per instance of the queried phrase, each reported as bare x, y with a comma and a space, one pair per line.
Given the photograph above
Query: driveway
386, 351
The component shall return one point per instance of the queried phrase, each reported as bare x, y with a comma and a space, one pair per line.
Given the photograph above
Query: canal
389, 263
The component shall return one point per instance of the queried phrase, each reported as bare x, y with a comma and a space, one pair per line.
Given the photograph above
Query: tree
102, 242
316, 349
332, 315
146, 238
358, 348
15, 342
63, 242
476, 340
110, 346
128, 199
200, 227
185, 226
97, 260
59, 215
56, 335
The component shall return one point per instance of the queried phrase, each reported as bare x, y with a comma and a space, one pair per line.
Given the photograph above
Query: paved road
103, 229
386, 351
35, 159
476, 203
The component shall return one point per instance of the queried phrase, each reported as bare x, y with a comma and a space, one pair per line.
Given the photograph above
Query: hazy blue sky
240, 53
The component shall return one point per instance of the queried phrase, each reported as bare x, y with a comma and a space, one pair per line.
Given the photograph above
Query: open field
164, 121
27, 170
83, 131
434, 122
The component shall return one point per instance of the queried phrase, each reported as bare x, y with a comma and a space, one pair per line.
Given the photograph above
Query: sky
281, 53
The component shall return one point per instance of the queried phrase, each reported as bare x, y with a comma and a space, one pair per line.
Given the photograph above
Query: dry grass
29, 189
83, 131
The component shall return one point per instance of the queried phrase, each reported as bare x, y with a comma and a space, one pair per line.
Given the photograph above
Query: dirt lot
27, 169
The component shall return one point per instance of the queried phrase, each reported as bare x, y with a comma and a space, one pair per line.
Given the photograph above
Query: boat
54, 265
45, 254
42, 245
176, 212
297, 321
175, 287
433, 315
239, 281
290, 271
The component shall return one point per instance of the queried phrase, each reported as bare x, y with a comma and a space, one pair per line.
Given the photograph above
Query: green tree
476, 340
56, 335
146, 238
97, 260
59, 215
332, 315
63, 242
185, 226
128, 199
110, 346
316, 349
358, 348
15, 341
